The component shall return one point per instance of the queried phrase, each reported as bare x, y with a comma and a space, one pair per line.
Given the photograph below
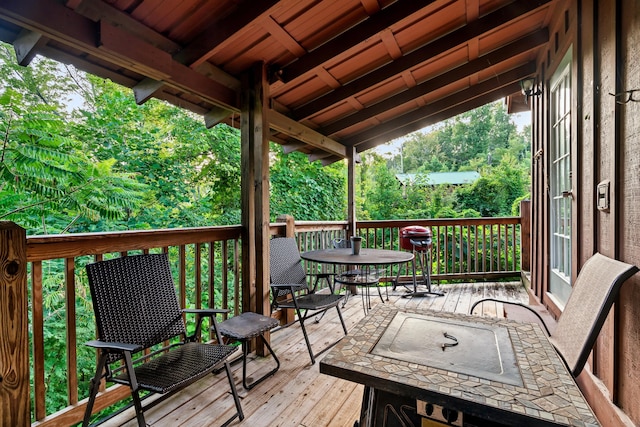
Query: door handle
567, 193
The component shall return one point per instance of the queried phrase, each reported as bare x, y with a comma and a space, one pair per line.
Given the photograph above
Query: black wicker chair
290, 290
136, 308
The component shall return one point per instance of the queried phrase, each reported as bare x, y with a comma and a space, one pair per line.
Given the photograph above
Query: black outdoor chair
290, 290
366, 278
136, 308
594, 292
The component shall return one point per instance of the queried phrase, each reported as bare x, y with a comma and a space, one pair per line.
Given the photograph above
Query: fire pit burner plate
483, 350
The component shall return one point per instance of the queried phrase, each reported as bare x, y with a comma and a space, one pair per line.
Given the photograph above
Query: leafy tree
192, 173
494, 193
383, 198
47, 179
305, 190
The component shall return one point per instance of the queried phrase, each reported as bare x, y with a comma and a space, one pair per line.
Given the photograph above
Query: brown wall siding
587, 128
605, 152
629, 211
606, 146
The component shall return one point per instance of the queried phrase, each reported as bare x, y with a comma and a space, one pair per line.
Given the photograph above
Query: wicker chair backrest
285, 265
134, 300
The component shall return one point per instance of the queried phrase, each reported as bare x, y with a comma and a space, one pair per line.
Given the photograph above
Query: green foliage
47, 181
106, 163
192, 173
306, 190
483, 140
495, 192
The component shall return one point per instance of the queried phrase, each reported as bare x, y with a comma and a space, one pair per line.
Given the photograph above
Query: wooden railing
463, 248
206, 263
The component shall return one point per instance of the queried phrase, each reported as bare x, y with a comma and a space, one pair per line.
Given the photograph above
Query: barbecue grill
415, 238
419, 240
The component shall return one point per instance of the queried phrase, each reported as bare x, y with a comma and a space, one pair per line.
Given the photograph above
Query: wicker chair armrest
206, 312
296, 286
120, 346
203, 313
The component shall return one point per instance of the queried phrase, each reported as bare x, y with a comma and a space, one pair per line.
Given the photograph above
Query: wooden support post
288, 315
525, 235
351, 201
290, 227
351, 193
14, 326
255, 191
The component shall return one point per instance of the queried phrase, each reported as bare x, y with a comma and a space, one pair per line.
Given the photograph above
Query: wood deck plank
298, 395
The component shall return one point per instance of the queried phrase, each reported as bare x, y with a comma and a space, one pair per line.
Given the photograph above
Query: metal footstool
243, 328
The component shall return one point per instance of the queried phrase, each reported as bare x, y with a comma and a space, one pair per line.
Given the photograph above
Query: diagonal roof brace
282, 123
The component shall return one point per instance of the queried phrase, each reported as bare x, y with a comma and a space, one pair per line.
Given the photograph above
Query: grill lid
415, 237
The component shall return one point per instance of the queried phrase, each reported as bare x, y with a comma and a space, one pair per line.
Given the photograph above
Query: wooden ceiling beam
284, 124
86, 66
52, 20
318, 155
98, 10
137, 54
282, 36
146, 89
216, 115
26, 46
351, 37
330, 160
205, 43
290, 147
425, 53
219, 75
114, 46
524, 44
417, 119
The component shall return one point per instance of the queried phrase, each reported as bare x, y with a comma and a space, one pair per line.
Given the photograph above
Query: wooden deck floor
298, 395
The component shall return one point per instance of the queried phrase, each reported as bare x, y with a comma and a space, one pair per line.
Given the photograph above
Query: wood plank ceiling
343, 73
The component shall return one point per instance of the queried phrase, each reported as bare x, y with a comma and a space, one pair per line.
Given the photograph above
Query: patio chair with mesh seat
365, 278
594, 292
136, 309
290, 289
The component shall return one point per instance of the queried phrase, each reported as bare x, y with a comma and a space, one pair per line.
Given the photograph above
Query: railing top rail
40, 248
439, 221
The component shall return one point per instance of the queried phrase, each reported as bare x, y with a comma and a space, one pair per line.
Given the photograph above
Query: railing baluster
500, 246
38, 339
461, 251
197, 264
225, 274
475, 248
211, 289
236, 277
70, 310
182, 275
513, 246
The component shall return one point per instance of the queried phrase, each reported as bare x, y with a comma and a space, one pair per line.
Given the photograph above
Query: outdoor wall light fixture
529, 89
